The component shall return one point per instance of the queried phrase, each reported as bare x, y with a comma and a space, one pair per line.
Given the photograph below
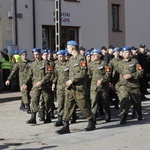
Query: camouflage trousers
128, 97
25, 96
60, 100
100, 96
73, 98
35, 99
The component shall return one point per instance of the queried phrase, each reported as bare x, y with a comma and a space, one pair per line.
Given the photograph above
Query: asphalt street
15, 134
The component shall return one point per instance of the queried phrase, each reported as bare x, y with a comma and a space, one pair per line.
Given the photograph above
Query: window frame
72, 0
116, 24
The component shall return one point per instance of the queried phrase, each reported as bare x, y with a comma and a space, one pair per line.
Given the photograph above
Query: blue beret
126, 48
116, 49
98, 51
5, 49
88, 52
44, 51
23, 51
60, 52
73, 43
67, 53
36, 50
49, 51
15, 51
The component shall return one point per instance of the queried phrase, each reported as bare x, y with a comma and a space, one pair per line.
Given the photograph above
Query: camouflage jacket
77, 71
113, 64
41, 71
131, 67
21, 68
98, 70
61, 72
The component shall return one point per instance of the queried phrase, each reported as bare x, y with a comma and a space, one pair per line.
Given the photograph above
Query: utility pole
57, 25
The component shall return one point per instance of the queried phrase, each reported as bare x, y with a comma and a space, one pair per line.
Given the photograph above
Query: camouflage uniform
61, 76
40, 71
42, 105
75, 94
129, 89
21, 68
113, 64
97, 70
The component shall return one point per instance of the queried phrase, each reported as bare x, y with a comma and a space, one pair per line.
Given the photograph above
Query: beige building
92, 23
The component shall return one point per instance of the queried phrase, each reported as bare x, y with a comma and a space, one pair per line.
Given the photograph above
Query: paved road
16, 134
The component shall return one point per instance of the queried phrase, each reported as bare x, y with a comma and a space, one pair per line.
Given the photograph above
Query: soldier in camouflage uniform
113, 64
61, 77
40, 73
75, 90
21, 68
51, 98
100, 74
128, 86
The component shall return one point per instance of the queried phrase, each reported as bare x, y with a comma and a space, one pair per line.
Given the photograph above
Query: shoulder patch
49, 68
83, 64
107, 69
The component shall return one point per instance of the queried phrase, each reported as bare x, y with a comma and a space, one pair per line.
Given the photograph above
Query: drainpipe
16, 23
13, 22
34, 27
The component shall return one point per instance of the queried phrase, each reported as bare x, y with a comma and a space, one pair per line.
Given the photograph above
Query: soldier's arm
107, 74
15, 70
139, 71
49, 72
81, 73
89, 70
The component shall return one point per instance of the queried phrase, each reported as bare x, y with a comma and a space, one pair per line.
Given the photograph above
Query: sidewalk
6, 96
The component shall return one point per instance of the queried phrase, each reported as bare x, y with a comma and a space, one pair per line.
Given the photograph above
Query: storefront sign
65, 17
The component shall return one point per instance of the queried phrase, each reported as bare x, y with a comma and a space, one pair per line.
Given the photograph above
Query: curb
9, 99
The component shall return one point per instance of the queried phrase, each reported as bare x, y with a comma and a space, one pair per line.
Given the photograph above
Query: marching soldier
100, 74
40, 73
75, 93
21, 68
128, 86
61, 76
115, 75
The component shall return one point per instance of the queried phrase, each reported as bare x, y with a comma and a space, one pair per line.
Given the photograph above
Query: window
115, 17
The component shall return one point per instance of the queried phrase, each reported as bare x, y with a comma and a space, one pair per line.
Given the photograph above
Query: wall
137, 24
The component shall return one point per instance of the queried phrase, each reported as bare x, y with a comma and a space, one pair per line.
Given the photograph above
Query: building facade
93, 23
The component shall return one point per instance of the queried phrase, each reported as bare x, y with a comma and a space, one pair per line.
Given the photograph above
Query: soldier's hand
127, 76
37, 84
69, 82
53, 87
7, 82
23, 87
99, 82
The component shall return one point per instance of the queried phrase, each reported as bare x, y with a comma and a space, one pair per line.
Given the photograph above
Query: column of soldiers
81, 78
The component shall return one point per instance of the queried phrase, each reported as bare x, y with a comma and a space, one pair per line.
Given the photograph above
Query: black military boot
91, 125
33, 118
74, 117
94, 118
65, 129
28, 109
48, 118
107, 117
41, 115
133, 115
123, 119
58, 122
140, 116
22, 106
